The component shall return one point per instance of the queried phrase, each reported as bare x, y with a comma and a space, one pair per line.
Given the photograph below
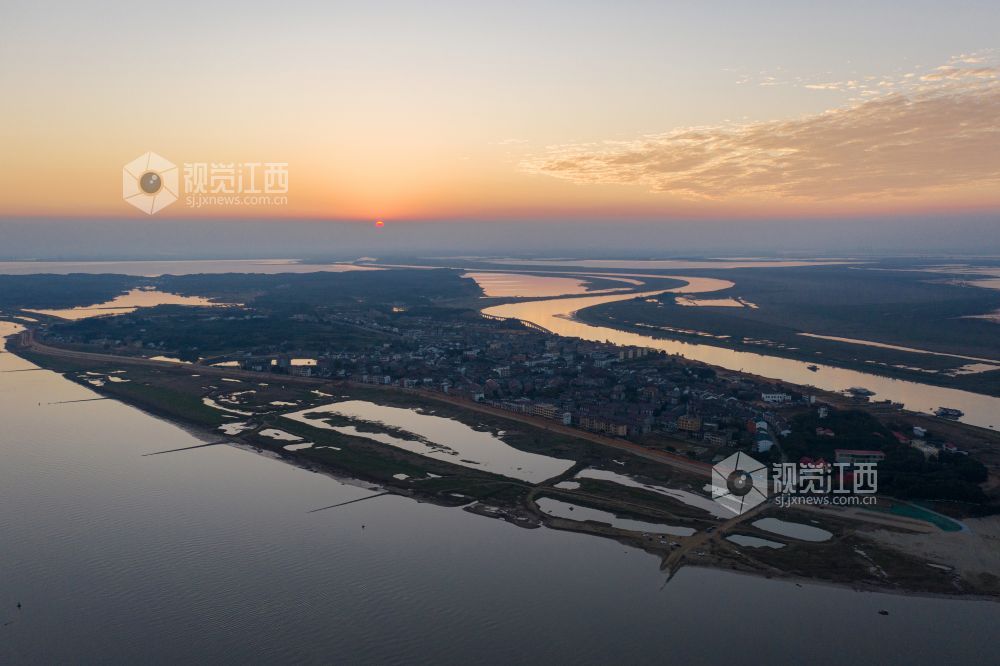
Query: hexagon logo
150, 183
739, 483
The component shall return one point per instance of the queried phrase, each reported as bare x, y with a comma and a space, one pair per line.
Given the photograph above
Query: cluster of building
629, 392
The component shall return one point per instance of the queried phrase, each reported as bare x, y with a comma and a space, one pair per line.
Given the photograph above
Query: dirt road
28, 341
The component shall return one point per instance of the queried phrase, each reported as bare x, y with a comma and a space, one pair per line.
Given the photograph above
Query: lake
128, 302
210, 555
436, 437
156, 268
521, 284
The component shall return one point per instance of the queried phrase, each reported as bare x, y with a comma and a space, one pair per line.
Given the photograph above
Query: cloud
942, 132
947, 72
973, 58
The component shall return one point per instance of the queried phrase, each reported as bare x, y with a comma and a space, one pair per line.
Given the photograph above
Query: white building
762, 445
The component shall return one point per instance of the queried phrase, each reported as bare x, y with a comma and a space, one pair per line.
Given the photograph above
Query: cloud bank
936, 131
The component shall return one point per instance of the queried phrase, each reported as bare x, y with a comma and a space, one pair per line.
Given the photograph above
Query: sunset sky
510, 110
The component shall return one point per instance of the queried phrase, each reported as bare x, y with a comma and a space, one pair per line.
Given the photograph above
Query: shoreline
727, 557
887, 372
834, 398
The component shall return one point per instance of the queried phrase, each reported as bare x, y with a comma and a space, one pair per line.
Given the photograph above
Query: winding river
556, 315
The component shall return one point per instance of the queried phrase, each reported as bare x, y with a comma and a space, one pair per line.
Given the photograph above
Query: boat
949, 413
812, 368
858, 390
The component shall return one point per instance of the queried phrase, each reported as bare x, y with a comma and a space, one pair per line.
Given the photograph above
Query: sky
648, 112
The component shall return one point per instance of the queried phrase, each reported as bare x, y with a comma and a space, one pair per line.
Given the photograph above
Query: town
658, 401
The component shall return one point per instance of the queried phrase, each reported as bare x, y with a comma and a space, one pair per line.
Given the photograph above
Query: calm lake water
171, 267
128, 302
518, 284
556, 316
209, 555
439, 438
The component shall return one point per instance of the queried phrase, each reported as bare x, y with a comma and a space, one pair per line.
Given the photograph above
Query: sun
379, 223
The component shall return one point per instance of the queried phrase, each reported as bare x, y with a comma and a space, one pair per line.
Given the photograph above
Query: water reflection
128, 302
691, 499
556, 315
570, 511
181, 267
439, 438
792, 530
209, 555
524, 285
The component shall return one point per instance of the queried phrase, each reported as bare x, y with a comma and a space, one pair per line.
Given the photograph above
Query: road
673, 560
701, 539
681, 463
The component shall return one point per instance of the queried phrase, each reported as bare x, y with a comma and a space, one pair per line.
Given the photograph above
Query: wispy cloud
973, 58
948, 72
931, 131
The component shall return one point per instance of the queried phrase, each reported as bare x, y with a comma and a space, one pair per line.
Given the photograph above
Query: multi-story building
689, 423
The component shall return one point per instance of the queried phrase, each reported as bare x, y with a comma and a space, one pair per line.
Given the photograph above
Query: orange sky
494, 112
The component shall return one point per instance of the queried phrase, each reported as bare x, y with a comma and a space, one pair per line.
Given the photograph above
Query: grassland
908, 309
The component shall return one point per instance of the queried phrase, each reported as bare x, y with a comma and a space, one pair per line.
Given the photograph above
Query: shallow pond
793, 530
437, 437
571, 511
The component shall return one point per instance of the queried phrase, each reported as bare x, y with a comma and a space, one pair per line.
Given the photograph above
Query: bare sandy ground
975, 555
